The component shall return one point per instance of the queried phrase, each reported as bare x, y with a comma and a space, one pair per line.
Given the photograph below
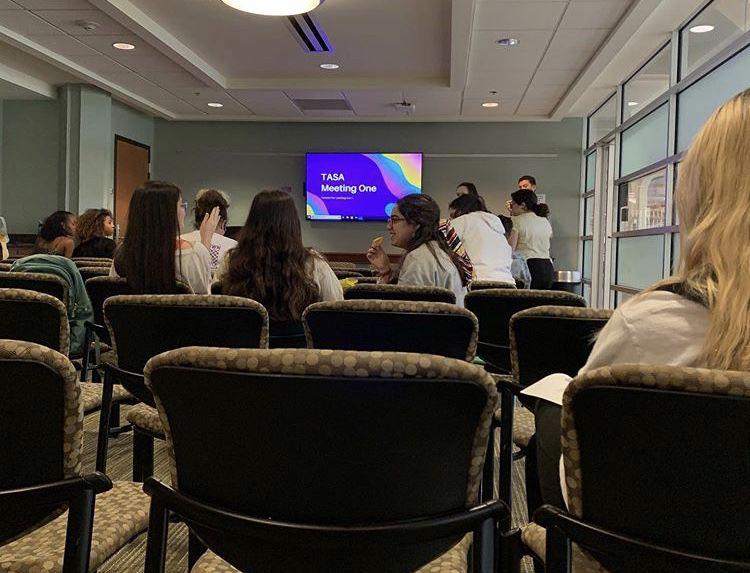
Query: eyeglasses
392, 220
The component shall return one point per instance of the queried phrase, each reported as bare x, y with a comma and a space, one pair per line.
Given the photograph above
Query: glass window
642, 203
590, 171
587, 293
602, 121
588, 221
621, 297
675, 252
640, 260
649, 83
645, 142
588, 258
700, 100
710, 31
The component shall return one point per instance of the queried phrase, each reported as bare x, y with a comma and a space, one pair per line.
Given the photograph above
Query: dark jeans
543, 459
541, 273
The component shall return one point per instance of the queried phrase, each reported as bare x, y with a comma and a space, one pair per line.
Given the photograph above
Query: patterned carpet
119, 467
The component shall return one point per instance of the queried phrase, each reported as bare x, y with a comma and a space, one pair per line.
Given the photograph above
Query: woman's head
95, 223
712, 198
270, 263
147, 255
465, 204
58, 224
205, 202
466, 188
525, 201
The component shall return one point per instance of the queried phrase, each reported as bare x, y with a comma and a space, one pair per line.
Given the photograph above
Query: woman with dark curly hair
56, 234
93, 231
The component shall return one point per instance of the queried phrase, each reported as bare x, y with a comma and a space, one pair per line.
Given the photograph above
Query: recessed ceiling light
123, 46
632, 103
490, 104
215, 104
702, 29
507, 41
274, 7
329, 66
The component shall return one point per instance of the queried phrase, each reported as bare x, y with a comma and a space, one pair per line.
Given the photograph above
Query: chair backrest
400, 292
346, 265
345, 274
367, 280
481, 285
41, 424
329, 437
5, 267
39, 282
81, 263
494, 307
545, 340
34, 317
142, 326
660, 453
392, 325
91, 272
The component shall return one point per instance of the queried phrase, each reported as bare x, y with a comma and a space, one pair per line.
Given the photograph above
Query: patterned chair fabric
400, 292
5, 267
342, 265
34, 317
39, 282
146, 418
89, 263
346, 273
91, 396
481, 285
353, 322
91, 272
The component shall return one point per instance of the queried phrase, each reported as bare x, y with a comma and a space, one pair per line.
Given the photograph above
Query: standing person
518, 268
527, 182
56, 234
206, 200
93, 231
153, 256
483, 237
272, 266
534, 232
467, 188
428, 260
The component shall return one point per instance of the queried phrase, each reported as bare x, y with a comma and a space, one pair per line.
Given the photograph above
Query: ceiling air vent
309, 33
322, 104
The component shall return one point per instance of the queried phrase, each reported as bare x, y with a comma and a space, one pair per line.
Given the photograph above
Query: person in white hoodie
483, 237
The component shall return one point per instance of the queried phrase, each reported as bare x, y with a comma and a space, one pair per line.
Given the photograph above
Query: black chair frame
165, 500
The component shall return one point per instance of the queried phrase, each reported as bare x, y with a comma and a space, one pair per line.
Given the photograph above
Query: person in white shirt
699, 316
271, 265
428, 260
205, 202
534, 232
153, 255
483, 237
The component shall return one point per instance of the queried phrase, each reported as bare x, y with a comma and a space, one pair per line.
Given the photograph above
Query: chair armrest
97, 329
507, 383
56, 492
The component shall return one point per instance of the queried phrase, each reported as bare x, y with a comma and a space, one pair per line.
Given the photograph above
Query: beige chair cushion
524, 426
453, 561
121, 514
91, 395
535, 538
146, 418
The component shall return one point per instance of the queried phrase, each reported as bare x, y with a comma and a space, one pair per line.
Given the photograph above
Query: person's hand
208, 227
379, 260
508, 205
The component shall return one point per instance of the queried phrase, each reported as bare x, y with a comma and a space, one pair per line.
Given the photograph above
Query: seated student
518, 267
483, 236
271, 265
205, 201
699, 316
428, 261
56, 234
152, 255
93, 231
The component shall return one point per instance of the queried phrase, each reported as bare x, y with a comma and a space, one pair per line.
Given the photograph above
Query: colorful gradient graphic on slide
359, 186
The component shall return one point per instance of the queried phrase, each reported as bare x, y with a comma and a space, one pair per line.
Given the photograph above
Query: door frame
124, 139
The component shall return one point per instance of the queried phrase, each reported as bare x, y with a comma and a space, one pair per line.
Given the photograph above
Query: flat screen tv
359, 186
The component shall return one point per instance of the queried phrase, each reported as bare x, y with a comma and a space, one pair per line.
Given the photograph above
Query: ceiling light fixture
123, 46
702, 29
490, 104
215, 104
274, 7
507, 41
632, 103
329, 66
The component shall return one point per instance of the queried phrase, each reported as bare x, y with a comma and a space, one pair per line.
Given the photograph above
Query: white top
220, 245
534, 233
192, 266
483, 236
422, 268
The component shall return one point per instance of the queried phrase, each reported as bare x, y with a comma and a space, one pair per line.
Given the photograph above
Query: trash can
568, 281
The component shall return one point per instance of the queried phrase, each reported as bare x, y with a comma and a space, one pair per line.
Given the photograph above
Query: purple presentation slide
359, 186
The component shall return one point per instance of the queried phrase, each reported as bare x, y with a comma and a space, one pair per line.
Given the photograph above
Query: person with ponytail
414, 225
698, 317
534, 232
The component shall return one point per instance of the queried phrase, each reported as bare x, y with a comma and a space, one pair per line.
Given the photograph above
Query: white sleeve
417, 271
223, 265
199, 277
329, 285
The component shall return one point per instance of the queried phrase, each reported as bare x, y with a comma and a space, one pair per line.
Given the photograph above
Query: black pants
541, 273
543, 458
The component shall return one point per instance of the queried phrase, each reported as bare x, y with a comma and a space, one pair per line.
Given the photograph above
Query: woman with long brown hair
93, 232
271, 265
152, 255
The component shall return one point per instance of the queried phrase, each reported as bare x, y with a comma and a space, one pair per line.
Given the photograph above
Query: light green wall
95, 152
132, 124
244, 158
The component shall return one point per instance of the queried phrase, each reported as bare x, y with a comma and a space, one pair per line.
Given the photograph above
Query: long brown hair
147, 257
422, 210
269, 263
713, 186
91, 224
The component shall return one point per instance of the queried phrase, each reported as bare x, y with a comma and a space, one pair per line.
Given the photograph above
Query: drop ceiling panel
173, 79
556, 76
578, 40
200, 97
314, 94
507, 85
488, 56
101, 64
374, 102
267, 103
65, 46
472, 107
103, 44
66, 20
586, 15
55, 4
330, 113
435, 103
492, 15
26, 24
9, 5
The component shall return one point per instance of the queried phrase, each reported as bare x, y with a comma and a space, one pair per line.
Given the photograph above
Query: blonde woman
699, 317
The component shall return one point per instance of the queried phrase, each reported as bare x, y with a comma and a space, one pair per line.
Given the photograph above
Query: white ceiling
440, 55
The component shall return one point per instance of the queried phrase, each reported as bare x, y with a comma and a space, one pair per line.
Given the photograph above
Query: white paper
550, 388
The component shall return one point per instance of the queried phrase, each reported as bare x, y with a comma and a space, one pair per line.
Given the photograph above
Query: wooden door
132, 165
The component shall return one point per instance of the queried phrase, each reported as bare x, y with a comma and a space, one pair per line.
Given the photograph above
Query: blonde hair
713, 201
